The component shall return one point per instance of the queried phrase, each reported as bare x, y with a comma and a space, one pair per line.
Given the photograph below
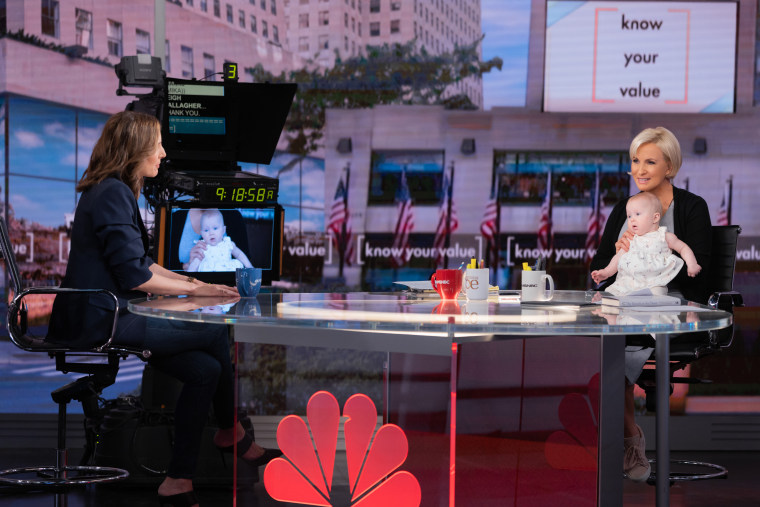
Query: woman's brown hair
127, 139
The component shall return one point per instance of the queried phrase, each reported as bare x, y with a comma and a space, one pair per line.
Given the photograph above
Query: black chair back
723, 259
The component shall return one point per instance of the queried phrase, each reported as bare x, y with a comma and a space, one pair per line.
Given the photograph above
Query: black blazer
109, 246
691, 221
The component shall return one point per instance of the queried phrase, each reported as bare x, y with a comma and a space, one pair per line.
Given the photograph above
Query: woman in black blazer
655, 161
109, 246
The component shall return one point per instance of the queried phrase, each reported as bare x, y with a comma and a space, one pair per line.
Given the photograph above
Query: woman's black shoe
244, 444
186, 499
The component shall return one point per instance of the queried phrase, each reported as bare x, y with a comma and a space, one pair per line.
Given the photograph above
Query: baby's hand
693, 270
599, 276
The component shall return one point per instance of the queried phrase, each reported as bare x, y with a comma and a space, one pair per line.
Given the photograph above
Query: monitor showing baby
215, 251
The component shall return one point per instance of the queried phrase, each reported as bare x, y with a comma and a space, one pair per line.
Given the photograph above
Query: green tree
388, 74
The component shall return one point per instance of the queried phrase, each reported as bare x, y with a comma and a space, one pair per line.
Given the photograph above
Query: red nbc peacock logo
305, 474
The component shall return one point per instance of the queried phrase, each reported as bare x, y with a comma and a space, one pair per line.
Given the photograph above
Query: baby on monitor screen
221, 253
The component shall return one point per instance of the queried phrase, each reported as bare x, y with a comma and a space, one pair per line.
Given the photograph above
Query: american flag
545, 222
339, 215
404, 223
489, 226
447, 224
724, 212
595, 223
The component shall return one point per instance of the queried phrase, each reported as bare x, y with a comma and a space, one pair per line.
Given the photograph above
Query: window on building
83, 36
187, 62
142, 42
167, 57
263, 5
345, 19
275, 34
359, 29
253, 23
395, 25
3, 17
345, 42
324, 18
217, 9
115, 38
303, 44
360, 5
204, 5
273, 6
396, 6
189, 3
209, 68
241, 18
522, 176
303, 20
374, 5
374, 29
51, 18
229, 13
353, 25
424, 175
324, 41
264, 29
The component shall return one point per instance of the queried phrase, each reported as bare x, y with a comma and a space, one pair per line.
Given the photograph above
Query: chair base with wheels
688, 470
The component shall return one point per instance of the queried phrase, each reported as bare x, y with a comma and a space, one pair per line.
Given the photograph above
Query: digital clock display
255, 194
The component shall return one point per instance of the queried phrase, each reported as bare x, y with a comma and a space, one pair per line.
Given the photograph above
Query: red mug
447, 282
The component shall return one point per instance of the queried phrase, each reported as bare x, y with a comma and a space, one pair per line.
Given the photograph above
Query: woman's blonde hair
665, 141
128, 138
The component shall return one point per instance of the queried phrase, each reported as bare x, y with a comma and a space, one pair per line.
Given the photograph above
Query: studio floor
738, 490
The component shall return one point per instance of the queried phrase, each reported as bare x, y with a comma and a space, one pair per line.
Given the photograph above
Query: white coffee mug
534, 286
475, 283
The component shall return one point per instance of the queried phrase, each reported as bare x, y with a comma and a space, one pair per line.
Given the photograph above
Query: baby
649, 261
221, 254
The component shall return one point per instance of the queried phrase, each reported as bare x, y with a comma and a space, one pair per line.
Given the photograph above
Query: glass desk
408, 324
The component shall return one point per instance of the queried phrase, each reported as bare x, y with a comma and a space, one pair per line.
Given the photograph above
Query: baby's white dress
219, 257
649, 262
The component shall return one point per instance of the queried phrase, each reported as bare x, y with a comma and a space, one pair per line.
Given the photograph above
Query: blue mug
248, 281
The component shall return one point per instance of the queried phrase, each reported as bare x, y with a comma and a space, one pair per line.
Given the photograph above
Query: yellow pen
526, 267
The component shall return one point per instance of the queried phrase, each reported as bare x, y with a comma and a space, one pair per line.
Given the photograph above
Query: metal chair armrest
726, 300
17, 314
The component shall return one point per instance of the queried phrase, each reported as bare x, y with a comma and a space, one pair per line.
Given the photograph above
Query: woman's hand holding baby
624, 242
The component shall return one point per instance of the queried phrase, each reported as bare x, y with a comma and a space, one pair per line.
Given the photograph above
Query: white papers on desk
418, 286
669, 308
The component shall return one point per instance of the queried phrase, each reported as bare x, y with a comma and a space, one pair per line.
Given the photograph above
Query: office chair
689, 347
85, 389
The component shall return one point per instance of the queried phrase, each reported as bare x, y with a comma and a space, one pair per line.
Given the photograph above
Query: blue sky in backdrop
506, 25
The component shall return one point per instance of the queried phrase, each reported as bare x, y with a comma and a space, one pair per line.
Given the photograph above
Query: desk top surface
570, 312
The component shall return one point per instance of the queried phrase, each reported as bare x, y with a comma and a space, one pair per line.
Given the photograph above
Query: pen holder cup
534, 286
475, 284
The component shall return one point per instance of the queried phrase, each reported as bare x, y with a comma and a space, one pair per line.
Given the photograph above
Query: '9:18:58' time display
258, 195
